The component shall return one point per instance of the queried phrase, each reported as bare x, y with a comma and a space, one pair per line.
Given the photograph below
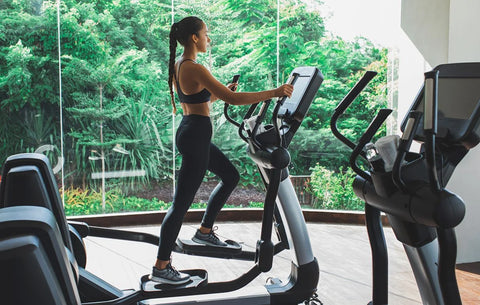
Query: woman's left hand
232, 86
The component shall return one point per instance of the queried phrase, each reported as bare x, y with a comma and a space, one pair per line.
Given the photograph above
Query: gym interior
414, 243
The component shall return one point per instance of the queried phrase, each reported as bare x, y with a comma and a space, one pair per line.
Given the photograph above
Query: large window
96, 101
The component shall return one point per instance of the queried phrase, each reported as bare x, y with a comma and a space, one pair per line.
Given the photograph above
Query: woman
196, 89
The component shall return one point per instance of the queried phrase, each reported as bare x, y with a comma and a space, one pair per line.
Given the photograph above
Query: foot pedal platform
198, 278
188, 246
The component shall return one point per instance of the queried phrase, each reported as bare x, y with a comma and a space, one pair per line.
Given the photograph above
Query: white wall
448, 31
464, 46
410, 70
427, 22
464, 41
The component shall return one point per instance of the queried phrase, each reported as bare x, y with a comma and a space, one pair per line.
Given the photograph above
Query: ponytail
180, 31
171, 63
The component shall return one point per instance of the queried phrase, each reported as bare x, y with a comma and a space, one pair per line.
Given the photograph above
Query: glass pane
243, 35
117, 123
308, 37
116, 104
29, 80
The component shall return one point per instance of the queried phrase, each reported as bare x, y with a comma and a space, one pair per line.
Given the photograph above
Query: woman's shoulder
192, 67
186, 62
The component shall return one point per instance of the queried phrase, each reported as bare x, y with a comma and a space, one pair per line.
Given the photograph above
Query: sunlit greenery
114, 57
89, 202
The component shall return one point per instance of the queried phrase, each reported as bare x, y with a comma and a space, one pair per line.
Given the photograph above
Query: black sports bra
196, 98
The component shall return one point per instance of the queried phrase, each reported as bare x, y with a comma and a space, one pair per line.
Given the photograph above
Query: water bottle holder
268, 136
413, 172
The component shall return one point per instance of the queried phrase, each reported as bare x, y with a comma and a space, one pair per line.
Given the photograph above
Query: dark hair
181, 32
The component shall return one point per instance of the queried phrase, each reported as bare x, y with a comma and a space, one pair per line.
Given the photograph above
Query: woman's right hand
284, 90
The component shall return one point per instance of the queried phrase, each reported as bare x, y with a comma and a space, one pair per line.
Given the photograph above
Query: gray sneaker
209, 239
169, 275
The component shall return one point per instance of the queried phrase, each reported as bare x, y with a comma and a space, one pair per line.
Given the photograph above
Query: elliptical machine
39, 237
409, 187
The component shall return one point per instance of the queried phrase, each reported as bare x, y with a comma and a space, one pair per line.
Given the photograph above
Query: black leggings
198, 154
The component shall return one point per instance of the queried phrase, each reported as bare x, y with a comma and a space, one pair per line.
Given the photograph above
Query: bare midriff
198, 109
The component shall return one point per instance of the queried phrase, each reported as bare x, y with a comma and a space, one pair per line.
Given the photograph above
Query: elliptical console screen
458, 104
304, 91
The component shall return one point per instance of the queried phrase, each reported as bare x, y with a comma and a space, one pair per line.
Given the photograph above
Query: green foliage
37, 128
89, 202
114, 76
333, 190
311, 147
146, 148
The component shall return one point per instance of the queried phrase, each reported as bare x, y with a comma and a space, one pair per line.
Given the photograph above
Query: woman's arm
220, 91
231, 86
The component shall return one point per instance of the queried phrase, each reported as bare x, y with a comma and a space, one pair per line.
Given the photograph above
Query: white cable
60, 96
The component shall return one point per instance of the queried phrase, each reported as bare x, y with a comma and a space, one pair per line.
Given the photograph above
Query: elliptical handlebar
403, 148
291, 81
268, 138
228, 117
359, 148
345, 103
430, 125
381, 116
411, 189
258, 119
390, 183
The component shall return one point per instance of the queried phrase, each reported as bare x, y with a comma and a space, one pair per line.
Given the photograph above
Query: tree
115, 54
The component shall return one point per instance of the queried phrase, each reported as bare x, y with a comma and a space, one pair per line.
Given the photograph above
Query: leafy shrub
89, 202
333, 190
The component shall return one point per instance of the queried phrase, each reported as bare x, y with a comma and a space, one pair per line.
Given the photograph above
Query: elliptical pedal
188, 246
198, 278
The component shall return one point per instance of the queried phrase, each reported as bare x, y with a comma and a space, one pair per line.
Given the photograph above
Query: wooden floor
468, 277
343, 253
